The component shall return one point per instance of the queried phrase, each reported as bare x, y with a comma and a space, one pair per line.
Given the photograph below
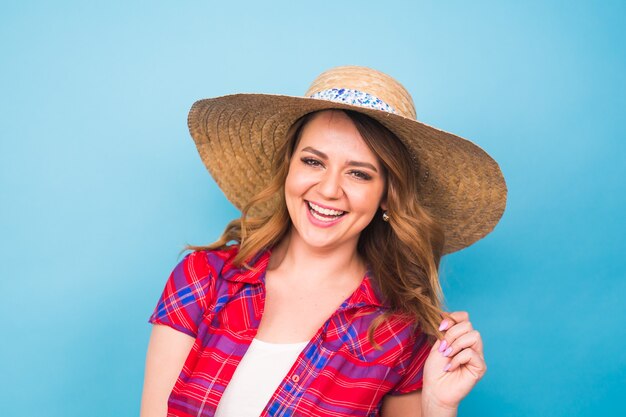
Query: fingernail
443, 345
447, 352
443, 325
447, 367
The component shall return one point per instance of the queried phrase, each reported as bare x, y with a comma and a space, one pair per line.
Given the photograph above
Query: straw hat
237, 136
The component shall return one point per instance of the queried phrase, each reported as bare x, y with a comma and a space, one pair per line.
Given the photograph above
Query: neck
318, 265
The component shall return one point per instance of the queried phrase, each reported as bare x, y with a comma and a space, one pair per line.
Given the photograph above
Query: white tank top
257, 376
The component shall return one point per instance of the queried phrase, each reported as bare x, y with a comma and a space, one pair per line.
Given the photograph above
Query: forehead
332, 131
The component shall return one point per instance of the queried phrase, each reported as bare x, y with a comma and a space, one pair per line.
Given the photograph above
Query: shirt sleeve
184, 298
411, 366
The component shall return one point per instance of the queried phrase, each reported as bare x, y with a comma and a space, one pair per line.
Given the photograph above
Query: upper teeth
322, 210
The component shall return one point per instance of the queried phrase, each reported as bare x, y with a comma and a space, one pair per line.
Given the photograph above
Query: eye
311, 162
361, 175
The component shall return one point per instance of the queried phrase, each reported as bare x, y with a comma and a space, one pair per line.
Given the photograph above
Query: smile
324, 214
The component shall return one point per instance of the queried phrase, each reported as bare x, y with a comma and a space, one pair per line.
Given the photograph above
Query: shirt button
295, 378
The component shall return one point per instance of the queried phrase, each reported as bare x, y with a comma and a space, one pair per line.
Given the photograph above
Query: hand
455, 363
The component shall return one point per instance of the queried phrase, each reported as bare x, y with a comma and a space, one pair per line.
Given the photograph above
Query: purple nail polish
443, 345
447, 367
443, 325
447, 352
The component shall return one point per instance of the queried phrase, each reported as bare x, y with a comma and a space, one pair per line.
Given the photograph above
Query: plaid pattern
337, 374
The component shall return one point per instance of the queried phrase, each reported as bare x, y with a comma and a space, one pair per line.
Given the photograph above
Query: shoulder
219, 265
207, 263
397, 339
407, 355
404, 336
414, 343
190, 290
412, 351
400, 331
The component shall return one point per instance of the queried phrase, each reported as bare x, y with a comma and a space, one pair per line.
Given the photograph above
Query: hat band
353, 97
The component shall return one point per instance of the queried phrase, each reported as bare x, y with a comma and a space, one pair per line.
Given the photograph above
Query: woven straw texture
237, 137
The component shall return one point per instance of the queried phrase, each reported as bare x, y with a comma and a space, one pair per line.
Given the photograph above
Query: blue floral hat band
355, 98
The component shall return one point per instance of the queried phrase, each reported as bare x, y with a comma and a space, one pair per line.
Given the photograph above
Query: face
335, 183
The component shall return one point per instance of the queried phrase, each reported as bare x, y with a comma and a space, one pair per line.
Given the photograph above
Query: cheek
297, 183
368, 200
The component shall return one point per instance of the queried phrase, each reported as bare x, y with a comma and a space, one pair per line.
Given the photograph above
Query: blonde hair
402, 254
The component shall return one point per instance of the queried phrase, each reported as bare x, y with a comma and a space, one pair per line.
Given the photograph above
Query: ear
383, 204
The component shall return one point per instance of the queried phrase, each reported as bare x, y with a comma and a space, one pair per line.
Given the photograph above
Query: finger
470, 340
450, 319
470, 360
453, 333
435, 346
459, 316
436, 361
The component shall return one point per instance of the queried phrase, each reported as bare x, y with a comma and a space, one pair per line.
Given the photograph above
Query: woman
323, 298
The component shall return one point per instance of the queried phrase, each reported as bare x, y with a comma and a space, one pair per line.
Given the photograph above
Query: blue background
101, 185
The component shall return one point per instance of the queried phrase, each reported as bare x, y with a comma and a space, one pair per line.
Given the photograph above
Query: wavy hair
403, 254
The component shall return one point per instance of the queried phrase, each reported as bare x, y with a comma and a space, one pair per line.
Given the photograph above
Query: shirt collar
253, 275
368, 292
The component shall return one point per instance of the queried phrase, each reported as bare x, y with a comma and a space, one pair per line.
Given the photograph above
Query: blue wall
101, 185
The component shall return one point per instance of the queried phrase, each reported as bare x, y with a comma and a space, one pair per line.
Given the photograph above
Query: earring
385, 216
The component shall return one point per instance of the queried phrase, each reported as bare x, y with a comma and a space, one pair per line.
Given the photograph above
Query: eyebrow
350, 163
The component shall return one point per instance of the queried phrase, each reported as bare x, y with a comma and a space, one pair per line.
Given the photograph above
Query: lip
324, 206
320, 223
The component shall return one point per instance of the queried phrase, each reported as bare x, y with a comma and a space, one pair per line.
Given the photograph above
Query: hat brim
237, 137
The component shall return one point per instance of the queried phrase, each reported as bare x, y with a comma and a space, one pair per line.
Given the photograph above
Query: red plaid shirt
338, 373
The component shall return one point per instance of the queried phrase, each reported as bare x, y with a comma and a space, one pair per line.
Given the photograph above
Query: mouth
324, 214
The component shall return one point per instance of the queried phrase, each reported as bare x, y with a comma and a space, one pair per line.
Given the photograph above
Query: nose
330, 185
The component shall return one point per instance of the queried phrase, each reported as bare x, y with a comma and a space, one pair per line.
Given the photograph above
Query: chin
328, 242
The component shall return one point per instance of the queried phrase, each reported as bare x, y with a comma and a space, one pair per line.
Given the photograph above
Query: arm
406, 405
167, 351
412, 405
